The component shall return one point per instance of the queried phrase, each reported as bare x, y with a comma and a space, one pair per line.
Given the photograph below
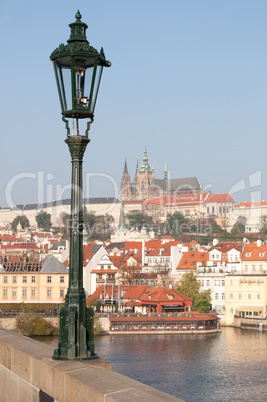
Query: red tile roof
190, 259
227, 246
116, 260
251, 204
135, 292
20, 246
252, 252
163, 294
133, 245
154, 201
219, 198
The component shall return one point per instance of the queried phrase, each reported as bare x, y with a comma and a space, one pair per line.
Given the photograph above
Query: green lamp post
78, 69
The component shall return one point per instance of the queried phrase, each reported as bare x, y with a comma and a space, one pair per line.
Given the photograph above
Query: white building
253, 212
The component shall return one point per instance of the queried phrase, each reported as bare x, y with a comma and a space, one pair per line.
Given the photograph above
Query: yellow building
245, 296
49, 285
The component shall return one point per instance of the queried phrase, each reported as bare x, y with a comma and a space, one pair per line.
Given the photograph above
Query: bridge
28, 373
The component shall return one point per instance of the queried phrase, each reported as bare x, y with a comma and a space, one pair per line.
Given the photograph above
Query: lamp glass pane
99, 70
64, 78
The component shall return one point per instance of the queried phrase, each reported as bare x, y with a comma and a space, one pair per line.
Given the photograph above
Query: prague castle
145, 184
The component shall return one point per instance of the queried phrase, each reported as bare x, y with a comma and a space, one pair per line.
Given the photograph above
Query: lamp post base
76, 341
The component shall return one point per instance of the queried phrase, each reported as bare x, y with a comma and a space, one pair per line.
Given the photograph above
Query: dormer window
170, 297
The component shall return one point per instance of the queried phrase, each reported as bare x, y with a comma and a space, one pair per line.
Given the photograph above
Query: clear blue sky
188, 79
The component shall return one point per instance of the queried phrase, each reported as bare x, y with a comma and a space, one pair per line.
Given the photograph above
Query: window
258, 282
24, 292
223, 282
207, 282
49, 279
33, 293
14, 279
33, 279
24, 279
223, 296
253, 267
217, 282
62, 279
216, 296
14, 292
249, 296
240, 282
49, 293
261, 267
202, 282
258, 297
231, 282
5, 279
240, 296
246, 267
170, 297
231, 295
61, 293
231, 310
4, 292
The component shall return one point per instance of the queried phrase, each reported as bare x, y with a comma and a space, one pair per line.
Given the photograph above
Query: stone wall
10, 322
28, 373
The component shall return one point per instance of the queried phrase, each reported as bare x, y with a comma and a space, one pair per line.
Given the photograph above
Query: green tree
22, 219
43, 220
190, 287
137, 219
176, 224
239, 226
89, 219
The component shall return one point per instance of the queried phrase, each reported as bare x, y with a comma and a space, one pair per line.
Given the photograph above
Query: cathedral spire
145, 166
125, 167
137, 166
165, 171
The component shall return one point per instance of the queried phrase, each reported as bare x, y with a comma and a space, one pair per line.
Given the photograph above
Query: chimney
215, 242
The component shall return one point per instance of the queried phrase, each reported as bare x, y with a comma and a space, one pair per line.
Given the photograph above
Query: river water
230, 366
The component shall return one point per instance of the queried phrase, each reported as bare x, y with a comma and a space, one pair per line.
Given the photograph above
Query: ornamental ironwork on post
78, 70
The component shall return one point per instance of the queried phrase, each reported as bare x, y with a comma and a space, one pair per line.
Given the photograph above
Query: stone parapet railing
28, 373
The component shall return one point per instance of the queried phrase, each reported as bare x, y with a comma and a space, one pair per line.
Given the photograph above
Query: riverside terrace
191, 322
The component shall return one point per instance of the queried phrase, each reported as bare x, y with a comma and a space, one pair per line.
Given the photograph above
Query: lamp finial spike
78, 16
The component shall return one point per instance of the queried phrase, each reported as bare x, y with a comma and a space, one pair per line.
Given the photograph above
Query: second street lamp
78, 70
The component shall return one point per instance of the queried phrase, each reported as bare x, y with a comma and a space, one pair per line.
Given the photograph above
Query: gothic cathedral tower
126, 187
143, 180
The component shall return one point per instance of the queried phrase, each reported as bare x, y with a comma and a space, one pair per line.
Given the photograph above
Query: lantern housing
78, 69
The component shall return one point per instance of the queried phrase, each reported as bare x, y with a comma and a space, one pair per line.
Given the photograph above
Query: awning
250, 308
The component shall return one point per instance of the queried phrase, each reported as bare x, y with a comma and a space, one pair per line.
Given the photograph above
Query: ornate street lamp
78, 69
